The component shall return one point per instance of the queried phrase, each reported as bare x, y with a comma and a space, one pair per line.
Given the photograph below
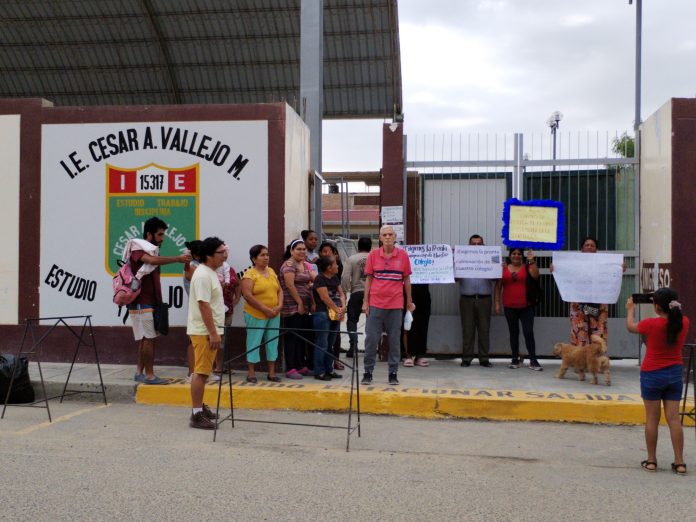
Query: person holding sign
516, 304
475, 313
388, 277
587, 319
661, 372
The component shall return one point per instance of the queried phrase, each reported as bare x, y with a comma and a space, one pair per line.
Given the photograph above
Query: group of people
516, 295
310, 301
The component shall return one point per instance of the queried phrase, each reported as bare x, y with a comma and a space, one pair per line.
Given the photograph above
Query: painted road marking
62, 418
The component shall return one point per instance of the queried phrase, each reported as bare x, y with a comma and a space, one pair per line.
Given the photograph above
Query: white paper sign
399, 231
477, 261
430, 264
588, 278
392, 215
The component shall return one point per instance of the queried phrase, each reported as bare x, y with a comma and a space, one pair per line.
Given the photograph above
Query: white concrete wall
9, 216
656, 187
296, 175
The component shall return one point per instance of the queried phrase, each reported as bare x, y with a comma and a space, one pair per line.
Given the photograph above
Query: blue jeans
325, 339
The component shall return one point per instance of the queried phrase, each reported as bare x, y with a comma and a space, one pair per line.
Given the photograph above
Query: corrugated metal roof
141, 52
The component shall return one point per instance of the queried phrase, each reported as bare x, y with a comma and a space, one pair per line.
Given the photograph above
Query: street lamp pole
554, 121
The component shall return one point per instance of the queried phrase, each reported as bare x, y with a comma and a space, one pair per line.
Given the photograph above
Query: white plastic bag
408, 320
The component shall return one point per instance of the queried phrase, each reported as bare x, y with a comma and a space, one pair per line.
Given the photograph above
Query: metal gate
465, 181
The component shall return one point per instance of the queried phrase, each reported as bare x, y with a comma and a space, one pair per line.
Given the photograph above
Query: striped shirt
387, 287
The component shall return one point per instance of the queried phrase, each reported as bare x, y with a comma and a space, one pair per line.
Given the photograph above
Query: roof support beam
312, 90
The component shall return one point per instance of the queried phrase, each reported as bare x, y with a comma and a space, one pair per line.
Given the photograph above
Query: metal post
311, 89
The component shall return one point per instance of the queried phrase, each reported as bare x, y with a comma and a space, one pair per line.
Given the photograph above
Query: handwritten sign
533, 224
588, 278
430, 264
477, 261
392, 215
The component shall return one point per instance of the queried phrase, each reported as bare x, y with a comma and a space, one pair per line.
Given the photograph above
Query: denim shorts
663, 384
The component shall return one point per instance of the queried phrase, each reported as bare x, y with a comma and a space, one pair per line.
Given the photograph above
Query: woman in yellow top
264, 299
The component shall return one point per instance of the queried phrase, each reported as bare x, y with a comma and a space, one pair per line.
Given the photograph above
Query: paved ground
126, 462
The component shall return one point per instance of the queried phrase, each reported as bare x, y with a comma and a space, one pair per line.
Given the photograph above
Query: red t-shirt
659, 354
151, 293
515, 288
387, 287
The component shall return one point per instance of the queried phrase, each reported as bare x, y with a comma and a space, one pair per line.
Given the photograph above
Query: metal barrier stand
35, 350
690, 372
354, 383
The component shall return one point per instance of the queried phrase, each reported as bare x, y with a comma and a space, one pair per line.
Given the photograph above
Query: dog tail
598, 339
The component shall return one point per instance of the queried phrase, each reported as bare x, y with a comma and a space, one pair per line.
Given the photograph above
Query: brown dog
584, 358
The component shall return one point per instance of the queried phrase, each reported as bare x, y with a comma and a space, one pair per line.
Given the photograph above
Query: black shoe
351, 352
274, 378
201, 422
322, 377
392, 379
335, 375
486, 364
208, 413
367, 378
465, 364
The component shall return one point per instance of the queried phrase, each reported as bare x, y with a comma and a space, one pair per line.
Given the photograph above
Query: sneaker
208, 413
487, 364
293, 374
187, 379
392, 379
367, 378
536, 367
213, 377
514, 364
139, 377
155, 380
201, 422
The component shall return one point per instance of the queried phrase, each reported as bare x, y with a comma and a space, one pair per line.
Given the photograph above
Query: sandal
421, 362
338, 365
274, 378
647, 463
252, 380
408, 362
677, 467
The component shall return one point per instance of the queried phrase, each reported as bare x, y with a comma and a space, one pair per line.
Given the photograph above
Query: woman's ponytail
666, 299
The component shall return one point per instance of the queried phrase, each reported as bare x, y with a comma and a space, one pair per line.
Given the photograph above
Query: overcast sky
503, 66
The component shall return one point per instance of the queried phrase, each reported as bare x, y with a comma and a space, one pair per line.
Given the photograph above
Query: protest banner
430, 264
588, 278
536, 223
477, 261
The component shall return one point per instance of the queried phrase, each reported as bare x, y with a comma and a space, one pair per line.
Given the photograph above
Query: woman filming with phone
661, 372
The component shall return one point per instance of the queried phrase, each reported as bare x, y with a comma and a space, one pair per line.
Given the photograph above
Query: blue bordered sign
538, 224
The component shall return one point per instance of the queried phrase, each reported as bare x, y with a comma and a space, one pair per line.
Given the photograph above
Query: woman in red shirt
517, 308
661, 372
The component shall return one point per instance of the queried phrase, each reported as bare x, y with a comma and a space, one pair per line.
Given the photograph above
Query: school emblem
135, 195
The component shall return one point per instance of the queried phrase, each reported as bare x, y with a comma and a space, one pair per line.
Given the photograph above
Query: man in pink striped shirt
388, 277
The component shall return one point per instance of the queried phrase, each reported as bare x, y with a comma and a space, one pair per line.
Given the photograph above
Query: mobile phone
642, 298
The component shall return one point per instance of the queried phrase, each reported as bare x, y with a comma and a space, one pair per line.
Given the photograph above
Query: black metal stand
354, 384
35, 350
690, 374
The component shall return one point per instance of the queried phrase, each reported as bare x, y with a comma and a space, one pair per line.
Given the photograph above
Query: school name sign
100, 182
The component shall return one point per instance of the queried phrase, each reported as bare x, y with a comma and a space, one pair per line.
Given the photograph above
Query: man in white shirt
206, 319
